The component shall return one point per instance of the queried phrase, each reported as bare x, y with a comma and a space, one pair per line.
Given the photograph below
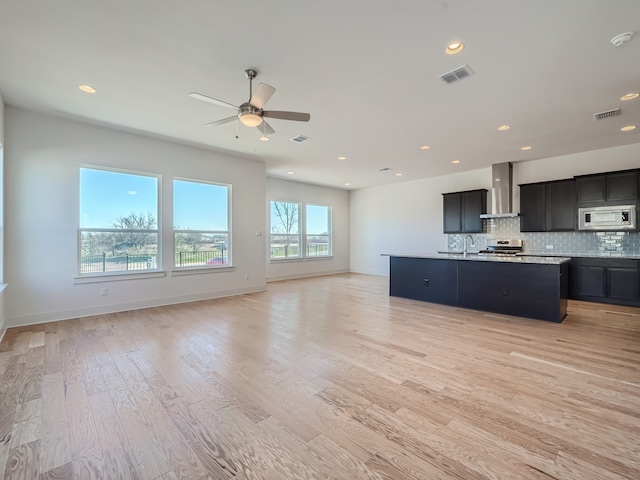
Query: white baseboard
25, 320
370, 272
293, 276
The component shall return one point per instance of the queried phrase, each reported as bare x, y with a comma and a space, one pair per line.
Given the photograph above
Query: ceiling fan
250, 113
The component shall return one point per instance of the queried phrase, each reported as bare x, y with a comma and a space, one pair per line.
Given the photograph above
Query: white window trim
115, 276
329, 234
204, 268
300, 255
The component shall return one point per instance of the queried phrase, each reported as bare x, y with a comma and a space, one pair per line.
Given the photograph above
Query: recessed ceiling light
629, 96
455, 161
502, 128
264, 138
87, 89
342, 157
628, 128
398, 174
454, 47
347, 184
526, 147
425, 147
289, 173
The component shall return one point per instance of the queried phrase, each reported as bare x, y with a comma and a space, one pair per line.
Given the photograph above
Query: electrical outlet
104, 291
505, 292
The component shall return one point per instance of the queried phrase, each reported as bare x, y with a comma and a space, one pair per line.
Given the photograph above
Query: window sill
117, 277
201, 270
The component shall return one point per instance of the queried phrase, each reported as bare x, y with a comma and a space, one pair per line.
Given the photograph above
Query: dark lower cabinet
527, 290
429, 280
605, 280
521, 289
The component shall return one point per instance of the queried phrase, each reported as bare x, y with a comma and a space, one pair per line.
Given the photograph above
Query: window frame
299, 234
157, 231
329, 233
228, 232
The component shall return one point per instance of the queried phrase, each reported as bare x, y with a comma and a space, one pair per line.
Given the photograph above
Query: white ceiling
367, 72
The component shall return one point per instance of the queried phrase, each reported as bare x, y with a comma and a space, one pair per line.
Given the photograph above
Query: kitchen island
525, 286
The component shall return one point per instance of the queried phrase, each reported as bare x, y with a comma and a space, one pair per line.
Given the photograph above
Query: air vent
384, 169
609, 114
300, 139
457, 74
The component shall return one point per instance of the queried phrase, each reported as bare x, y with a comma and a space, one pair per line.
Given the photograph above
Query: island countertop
540, 260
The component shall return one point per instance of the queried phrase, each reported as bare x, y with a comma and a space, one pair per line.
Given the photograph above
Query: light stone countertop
540, 260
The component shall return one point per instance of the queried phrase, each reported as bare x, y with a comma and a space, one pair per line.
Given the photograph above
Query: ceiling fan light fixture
250, 119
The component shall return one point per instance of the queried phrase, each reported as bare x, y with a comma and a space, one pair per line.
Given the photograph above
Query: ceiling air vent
609, 114
300, 139
458, 74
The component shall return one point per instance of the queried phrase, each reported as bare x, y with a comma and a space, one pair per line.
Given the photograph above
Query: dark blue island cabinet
520, 287
426, 279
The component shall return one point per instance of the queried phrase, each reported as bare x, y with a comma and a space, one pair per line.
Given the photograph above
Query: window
285, 231
118, 227
318, 231
201, 224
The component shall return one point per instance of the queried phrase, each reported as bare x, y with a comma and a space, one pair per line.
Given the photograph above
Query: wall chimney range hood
501, 191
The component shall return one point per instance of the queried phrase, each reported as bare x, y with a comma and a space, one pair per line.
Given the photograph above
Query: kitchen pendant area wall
606, 244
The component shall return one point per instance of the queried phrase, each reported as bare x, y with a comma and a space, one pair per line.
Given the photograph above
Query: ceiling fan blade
221, 122
296, 116
265, 128
204, 98
262, 95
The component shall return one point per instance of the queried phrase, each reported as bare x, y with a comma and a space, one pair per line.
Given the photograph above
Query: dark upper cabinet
561, 213
608, 188
532, 208
452, 208
462, 210
548, 206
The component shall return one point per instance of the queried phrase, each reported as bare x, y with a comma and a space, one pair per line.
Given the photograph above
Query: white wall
404, 217
407, 217
338, 200
2, 285
42, 154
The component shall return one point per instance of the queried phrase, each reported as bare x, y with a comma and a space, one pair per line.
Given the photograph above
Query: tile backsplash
564, 243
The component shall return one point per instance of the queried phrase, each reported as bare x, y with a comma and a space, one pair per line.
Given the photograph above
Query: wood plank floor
322, 378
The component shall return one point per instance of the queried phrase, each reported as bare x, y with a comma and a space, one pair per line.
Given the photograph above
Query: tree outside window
285, 230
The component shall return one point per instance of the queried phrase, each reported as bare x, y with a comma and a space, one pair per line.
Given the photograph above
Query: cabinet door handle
426, 282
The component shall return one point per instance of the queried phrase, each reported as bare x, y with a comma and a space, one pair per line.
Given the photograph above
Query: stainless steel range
503, 247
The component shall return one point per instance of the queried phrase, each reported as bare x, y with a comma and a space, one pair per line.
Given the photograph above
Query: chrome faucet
465, 243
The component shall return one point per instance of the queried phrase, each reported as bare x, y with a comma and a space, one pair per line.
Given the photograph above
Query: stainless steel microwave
617, 217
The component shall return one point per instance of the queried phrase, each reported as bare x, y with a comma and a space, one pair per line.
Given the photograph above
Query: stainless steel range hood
501, 191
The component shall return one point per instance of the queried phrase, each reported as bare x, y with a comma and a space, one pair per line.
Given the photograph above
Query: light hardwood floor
320, 378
